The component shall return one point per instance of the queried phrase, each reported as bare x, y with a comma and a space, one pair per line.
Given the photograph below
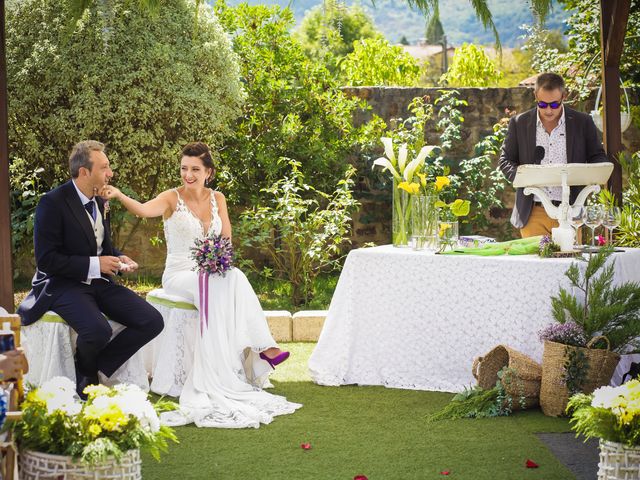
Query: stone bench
49, 345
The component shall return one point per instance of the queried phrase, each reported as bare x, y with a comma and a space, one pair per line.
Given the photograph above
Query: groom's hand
109, 265
127, 265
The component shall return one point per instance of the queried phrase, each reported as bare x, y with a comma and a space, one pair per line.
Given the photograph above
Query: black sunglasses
553, 105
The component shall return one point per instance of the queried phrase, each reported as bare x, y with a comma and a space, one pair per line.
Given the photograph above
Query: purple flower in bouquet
213, 255
569, 333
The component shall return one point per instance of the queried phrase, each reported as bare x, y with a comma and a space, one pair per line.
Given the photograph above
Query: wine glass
576, 217
611, 220
593, 217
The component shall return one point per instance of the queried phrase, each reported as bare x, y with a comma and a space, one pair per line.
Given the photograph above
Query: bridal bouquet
111, 422
213, 255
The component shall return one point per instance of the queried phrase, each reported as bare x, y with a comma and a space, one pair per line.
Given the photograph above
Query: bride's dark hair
200, 150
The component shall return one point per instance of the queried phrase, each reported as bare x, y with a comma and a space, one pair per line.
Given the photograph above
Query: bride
235, 352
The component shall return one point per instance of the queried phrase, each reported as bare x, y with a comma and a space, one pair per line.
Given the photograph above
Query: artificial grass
372, 431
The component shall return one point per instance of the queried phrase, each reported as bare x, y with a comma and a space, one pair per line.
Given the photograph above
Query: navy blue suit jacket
63, 240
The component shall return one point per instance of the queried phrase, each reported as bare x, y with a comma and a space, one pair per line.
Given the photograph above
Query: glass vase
448, 234
424, 222
401, 217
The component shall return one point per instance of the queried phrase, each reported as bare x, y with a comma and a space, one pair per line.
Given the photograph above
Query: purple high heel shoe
277, 360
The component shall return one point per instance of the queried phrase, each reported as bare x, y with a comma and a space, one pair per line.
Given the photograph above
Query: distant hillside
395, 19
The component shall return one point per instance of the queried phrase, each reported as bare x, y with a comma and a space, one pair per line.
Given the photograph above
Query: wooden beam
614, 15
619, 17
6, 264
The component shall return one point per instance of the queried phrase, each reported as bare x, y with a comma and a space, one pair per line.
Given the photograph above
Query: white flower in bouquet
132, 400
59, 393
399, 168
605, 397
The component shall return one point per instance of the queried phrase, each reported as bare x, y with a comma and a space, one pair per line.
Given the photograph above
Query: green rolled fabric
521, 246
170, 303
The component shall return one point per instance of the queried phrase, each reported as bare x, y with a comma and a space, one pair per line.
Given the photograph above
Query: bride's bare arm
153, 208
224, 215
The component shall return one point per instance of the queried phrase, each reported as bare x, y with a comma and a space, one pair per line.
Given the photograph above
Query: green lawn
372, 431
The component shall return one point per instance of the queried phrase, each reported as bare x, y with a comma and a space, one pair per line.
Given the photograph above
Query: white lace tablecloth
414, 320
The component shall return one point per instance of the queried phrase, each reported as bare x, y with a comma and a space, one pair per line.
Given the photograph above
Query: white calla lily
424, 151
402, 157
388, 149
411, 168
386, 164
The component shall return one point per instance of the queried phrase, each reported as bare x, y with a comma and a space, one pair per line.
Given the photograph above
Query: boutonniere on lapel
106, 210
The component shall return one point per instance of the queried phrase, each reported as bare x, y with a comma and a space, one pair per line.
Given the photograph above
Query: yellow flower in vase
403, 173
442, 182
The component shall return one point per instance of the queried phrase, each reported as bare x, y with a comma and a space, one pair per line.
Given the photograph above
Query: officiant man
550, 133
76, 265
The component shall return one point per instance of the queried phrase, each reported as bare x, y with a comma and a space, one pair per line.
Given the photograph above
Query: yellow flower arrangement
111, 422
610, 413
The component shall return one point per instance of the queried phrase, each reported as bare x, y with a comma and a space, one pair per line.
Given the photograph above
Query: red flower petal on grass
531, 464
306, 446
445, 472
360, 477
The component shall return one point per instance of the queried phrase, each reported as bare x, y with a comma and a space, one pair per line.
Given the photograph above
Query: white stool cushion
168, 358
49, 346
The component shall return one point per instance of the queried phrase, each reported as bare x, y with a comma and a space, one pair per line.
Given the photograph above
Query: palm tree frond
424, 6
484, 15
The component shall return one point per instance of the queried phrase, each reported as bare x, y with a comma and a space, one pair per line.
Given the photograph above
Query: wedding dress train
224, 387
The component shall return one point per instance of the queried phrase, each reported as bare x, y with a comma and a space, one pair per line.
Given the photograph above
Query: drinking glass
611, 220
576, 217
593, 216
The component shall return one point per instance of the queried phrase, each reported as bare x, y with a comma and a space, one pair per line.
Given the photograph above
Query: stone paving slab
579, 457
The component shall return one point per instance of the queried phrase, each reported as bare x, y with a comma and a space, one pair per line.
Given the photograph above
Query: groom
76, 264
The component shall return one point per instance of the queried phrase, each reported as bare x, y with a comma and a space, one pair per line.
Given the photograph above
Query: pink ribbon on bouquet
203, 289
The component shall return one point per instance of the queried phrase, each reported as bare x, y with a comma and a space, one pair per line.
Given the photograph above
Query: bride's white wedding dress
224, 388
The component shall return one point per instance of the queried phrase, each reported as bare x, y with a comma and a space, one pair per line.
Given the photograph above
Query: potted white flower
103, 435
611, 414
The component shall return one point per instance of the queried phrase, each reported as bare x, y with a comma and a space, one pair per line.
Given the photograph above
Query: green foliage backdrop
142, 83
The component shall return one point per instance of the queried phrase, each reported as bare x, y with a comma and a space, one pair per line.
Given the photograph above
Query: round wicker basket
41, 466
522, 381
618, 462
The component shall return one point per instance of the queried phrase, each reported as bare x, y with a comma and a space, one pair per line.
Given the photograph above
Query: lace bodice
183, 227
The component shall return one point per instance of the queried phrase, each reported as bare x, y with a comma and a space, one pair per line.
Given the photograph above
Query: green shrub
301, 229
142, 83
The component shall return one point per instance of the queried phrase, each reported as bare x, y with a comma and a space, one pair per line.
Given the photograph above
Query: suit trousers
84, 308
539, 223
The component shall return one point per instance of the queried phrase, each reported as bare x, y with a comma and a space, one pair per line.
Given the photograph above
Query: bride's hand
109, 191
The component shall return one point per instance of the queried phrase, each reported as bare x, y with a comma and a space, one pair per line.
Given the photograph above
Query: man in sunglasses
550, 133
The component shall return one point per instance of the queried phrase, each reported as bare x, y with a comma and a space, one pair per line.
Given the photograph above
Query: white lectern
533, 177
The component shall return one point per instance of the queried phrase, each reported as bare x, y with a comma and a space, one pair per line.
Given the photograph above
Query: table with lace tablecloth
416, 320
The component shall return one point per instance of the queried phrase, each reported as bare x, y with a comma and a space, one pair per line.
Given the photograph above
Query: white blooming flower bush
111, 421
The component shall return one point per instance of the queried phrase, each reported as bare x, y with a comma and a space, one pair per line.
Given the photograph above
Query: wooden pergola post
6, 264
614, 15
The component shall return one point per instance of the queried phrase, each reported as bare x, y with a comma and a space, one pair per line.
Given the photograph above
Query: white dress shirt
555, 149
98, 230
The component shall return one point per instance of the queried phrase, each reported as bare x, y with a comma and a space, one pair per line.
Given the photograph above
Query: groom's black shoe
83, 381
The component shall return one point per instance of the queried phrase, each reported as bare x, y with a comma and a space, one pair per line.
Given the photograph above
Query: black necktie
90, 207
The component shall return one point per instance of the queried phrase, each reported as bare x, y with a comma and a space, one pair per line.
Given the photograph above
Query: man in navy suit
561, 135
76, 264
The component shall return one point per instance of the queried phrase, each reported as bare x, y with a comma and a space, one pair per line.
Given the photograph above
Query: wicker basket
554, 394
618, 462
41, 466
523, 375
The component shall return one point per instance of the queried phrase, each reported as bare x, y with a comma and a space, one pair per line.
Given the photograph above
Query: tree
294, 110
580, 63
375, 62
327, 33
471, 67
434, 31
139, 82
